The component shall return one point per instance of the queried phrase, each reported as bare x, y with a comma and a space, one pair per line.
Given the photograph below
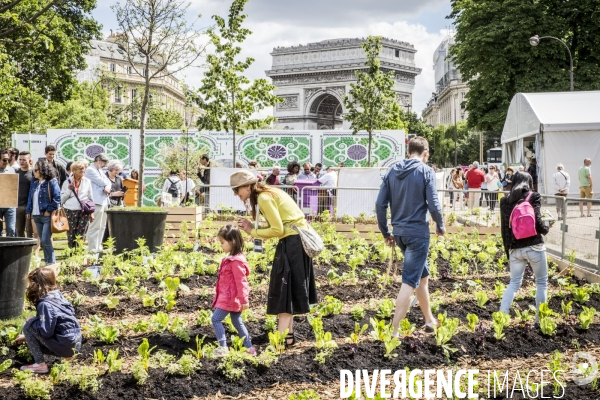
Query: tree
10, 89
155, 36
48, 40
159, 118
227, 98
371, 103
494, 56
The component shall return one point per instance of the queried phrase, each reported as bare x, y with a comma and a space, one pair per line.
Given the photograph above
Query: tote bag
58, 218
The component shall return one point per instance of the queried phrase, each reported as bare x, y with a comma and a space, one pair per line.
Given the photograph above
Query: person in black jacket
522, 251
61, 172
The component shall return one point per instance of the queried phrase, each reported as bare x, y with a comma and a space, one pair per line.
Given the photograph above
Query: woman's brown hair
232, 235
256, 189
41, 281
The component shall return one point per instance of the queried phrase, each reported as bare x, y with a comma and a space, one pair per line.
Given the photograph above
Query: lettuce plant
581, 295
501, 320
586, 317
472, 321
566, 308
386, 309
481, 298
357, 312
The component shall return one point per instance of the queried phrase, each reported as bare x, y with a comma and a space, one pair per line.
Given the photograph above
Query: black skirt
292, 285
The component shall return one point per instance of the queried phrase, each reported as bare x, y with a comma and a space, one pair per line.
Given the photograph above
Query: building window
129, 69
144, 72
397, 53
112, 67
117, 95
133, 94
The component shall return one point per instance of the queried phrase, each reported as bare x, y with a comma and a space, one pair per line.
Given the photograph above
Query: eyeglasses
5, 160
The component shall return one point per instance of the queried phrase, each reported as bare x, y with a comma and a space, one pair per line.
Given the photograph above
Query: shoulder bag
311, 241
58, 218
87, 205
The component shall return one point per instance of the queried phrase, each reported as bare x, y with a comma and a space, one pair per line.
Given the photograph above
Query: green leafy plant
111, 302
307, 394
108, 334
586, 317
99, 357
581, 295
186, 365
357, 312
499, 289
391, 343
34, 388
161, 321
444, 333
204, 318
501, 320
557, 369
271, 323
330, 306
386, 309
406, 328
113, 361
358, 332
566, 308
481, 298
380, 329
5, 365
547, 323
23, 352
59, 372
277, 341
140, 367
472, 321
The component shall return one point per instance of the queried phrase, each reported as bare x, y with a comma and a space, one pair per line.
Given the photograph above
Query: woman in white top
562, 181
492, 180
78, 184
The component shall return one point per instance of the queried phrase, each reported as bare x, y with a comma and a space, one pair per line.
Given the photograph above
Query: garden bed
140, 298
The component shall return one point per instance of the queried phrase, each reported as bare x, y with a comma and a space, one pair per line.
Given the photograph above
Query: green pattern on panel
156, 144
352, 151
269, 151
152, 191
88, 146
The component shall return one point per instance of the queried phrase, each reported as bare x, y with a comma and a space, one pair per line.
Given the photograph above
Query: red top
475, 177
232, 288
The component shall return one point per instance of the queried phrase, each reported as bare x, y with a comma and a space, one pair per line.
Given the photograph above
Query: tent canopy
555, 111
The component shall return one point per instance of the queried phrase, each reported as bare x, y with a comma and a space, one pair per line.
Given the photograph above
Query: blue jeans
9, 215
44, 229
518, 261
236, 319
415, 250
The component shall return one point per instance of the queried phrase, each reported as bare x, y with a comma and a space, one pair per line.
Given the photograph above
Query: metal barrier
573, 238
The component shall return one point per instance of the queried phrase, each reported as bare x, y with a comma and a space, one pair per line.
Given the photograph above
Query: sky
275, 23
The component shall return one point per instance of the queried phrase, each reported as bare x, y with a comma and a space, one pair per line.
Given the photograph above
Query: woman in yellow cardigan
292, 285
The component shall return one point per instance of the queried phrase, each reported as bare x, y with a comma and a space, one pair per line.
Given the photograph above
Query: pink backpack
522, 219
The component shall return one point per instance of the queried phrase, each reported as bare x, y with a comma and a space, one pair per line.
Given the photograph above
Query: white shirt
36, 200
329, 179
188, 185
67, 196
172, 179
8, 170
562, 180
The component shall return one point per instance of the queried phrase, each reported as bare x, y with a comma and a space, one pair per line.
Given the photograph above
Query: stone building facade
446, 105
313, 78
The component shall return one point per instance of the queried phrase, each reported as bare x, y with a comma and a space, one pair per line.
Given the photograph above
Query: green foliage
358, 332
481, 298
444, 332
501, 320
586, 317
277, 341
270, 323
114, 362
566, 308
499, 289
34, 387
204, 318
406, 328
307, 394
5, 365
357, 312
473, 320
329, 306
581, 294
186, 365
108, 334
371, 103
227, 98
496, 60
386, 309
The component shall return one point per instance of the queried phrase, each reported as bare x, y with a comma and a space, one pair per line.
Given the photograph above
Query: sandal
35, 368
589, 215
290, 336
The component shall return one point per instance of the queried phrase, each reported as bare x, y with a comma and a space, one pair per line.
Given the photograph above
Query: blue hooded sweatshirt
408, 188
56, 325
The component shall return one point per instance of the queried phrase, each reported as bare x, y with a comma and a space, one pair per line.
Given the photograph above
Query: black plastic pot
15, 258
128, 226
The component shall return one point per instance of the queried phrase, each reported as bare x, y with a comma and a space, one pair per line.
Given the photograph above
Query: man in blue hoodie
409, 189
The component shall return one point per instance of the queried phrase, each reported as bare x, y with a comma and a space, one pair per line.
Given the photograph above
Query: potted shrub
127, 224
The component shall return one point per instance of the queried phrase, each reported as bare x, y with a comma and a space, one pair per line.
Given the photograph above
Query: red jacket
233, 289
475, 177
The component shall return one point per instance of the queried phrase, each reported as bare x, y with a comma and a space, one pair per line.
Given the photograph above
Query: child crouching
233, 290
54, 329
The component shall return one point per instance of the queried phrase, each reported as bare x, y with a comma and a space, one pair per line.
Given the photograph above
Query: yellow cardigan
278, 210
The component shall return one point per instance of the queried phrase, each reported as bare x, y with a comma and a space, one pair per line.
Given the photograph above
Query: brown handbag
58, 219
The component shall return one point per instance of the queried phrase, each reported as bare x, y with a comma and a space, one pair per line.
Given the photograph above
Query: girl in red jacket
232, 290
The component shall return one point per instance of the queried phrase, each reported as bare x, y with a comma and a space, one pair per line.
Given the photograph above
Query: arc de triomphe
313, 78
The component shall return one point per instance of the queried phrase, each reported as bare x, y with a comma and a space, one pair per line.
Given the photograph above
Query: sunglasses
235, 190
5, 160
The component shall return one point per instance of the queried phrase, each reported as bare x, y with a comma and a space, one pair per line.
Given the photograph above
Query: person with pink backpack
522, 229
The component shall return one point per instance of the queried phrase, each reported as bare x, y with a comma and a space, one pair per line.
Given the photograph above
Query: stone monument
312, 79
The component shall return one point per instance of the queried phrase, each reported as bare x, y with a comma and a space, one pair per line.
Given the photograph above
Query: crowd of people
84, 191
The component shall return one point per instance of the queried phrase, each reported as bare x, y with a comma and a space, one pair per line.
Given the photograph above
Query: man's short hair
14, 152
205, 157
475, 164
277, 167
100, 157
49, 148
25, 153
319, 165
306, 164
418, 145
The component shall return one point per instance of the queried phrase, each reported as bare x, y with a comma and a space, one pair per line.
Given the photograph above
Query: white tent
564, 127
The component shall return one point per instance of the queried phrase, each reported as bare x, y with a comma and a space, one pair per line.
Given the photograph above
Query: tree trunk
143, 135
233, 126
369, 151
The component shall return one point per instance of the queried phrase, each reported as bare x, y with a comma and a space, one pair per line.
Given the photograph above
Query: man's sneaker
221, 352
430, 327
251, 351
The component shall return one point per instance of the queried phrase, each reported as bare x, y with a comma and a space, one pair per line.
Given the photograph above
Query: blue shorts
415, 250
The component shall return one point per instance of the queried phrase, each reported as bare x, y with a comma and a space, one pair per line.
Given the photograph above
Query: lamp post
535, 40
